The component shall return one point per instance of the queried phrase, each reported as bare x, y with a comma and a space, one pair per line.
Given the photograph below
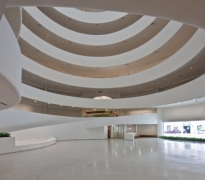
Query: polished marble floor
143, 159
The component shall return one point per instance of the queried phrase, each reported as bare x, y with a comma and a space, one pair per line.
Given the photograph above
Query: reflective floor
143, 159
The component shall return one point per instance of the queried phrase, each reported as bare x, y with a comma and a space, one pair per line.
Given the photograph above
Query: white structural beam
185, 11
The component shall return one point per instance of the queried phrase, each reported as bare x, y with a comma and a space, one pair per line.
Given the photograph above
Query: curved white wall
28, 125
10, 66
86, 39
107, 61
189, 51
90, 17
189, 91
188, 12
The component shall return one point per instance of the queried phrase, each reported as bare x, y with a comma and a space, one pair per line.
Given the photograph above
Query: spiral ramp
57, 57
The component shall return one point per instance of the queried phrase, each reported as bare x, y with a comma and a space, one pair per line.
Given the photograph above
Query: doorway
118, 131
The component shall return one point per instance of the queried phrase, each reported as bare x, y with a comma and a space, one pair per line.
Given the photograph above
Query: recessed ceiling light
106, 109
191, 67
48, 103
61, 105
94, 109
47, 36
45, 81
72, 106
35, 101
152, 24
195, 99
164, 79
179, 102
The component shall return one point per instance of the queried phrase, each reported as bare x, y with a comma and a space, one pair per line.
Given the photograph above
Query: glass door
118, 131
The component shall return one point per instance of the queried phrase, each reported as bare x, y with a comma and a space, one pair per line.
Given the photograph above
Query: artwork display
185, 129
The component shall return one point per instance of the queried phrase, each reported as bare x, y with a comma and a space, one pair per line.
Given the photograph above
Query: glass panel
118, 131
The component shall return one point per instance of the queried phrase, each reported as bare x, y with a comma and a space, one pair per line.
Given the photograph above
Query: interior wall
29, 108
49, 110
64, 112
137, 111
184, 113
147, 130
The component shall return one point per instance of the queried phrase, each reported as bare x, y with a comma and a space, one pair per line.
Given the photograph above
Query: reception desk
129, 136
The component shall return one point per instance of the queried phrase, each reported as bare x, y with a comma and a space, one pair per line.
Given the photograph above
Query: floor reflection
116, 159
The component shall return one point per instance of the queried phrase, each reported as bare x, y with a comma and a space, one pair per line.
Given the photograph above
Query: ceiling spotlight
48, 103
195, 99
94, 109
106, 109
72, 106
191, 67
179, 102
61, 105
35, 101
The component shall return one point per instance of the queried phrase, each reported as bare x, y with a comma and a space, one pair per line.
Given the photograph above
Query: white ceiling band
189, 91
107, 61
189, 51
90, 17
87, 39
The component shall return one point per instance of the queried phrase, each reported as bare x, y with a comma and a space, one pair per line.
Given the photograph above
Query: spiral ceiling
79, 50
